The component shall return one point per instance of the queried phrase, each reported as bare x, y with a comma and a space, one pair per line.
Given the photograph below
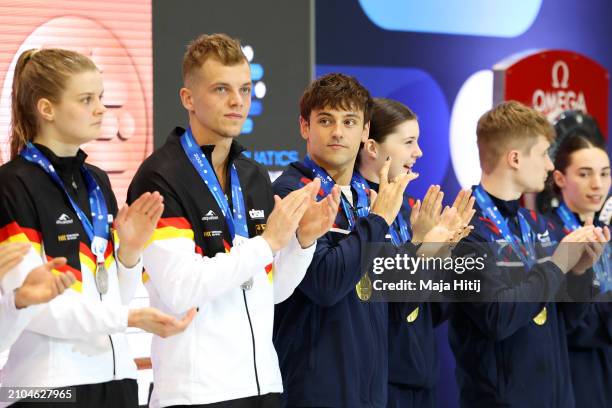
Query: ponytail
23, 122
39, 74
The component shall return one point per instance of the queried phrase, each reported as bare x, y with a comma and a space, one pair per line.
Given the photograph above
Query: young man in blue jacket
332, 345
511, 346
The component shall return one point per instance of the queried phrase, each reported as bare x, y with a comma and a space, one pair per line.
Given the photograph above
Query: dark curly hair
336, 91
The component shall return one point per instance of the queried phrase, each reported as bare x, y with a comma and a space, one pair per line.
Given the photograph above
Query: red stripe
13, 229
67, 268
85, 250
491, 225
177, 222
180, 223
227, 246
109, 249
268, 268
305, 181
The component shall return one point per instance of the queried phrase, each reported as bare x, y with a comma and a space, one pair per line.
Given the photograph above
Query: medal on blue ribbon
235, 218
359, 184
492, 212
362, 207
97, 229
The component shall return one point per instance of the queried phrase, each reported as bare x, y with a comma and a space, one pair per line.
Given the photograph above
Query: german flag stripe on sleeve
170, 228
78, 284
13, 232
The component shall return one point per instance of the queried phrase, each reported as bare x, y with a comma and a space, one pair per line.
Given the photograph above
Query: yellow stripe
145, 277
271, 276
78, 286
170, 233
23, 238
115, 237
109, 261
85, 260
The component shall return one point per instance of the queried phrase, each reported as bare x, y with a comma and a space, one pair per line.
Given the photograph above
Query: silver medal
102, 279
247, 285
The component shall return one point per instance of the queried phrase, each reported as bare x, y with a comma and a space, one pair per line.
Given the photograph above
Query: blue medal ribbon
569, 220
492, 212
602, 266
327, 184
235, 219
399, 231
97, 230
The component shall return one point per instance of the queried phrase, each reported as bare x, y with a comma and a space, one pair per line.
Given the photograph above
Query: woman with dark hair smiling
580, 183
413, 358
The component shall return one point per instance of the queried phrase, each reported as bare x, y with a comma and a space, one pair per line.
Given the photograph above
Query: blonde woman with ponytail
53, 200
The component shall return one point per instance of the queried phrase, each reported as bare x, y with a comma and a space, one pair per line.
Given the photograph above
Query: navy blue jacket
510, 353
413, 357
332, 347
590, 343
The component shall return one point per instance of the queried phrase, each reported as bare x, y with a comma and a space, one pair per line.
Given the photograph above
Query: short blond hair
509, 125
225, 49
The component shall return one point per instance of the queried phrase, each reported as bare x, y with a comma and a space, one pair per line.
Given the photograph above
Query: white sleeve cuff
14, 313
262, 248
122, 320
136, 268
296, 249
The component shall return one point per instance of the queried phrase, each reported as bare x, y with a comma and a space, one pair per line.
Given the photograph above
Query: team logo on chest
210, 216
64, 219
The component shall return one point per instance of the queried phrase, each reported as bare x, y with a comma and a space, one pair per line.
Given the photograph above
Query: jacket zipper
75, 188
253, 340
227, 178
113, 351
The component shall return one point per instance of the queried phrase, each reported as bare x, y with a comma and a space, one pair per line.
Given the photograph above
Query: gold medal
413, 316
364, 288
540, 319
101, 278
